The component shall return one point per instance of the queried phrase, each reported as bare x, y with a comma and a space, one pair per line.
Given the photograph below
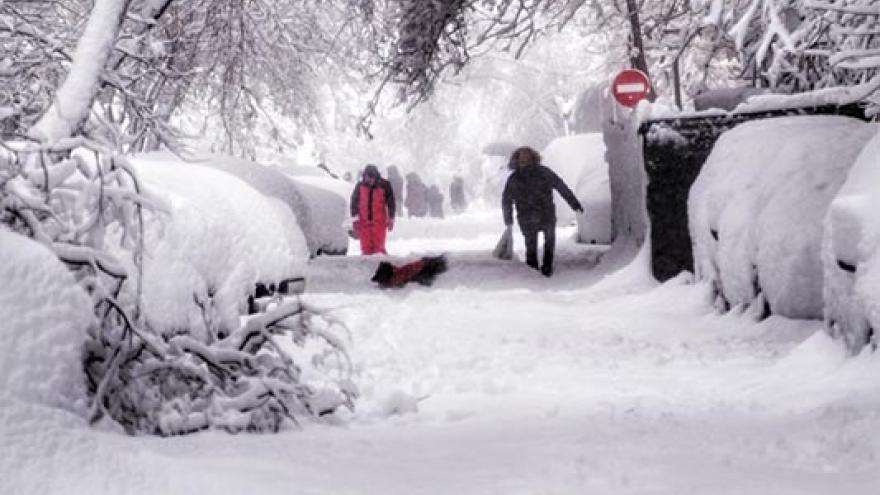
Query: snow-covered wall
756, 209
851, 252
44, 319
213, 238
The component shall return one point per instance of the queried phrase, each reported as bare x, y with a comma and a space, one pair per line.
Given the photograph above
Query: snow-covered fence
756, 209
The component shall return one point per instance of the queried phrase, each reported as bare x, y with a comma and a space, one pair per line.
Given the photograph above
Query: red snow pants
372, 236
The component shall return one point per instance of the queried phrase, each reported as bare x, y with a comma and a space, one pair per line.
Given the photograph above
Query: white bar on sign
631, 88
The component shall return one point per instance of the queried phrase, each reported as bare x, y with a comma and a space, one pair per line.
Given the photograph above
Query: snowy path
526, 386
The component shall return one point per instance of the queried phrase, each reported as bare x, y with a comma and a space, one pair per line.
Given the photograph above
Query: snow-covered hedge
580, 161
851, 252
756, 209
212, 238
320, 213
45, 316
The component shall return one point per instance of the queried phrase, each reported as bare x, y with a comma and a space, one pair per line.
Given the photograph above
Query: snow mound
851, 252
320, 213
399, 403
756, 208
44, 319
580, 161
216, 238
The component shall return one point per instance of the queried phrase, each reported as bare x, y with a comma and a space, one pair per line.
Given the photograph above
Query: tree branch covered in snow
244, 381
424, 41
65, 182
791, 45
804, 45
251, 65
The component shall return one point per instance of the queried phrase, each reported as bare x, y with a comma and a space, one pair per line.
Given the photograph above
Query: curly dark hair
524, 154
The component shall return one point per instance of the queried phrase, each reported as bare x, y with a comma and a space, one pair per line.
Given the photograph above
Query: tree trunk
73, 101
637, 49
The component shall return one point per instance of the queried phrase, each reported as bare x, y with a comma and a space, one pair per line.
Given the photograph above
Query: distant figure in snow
396, 181
435, 202
457, 201
416, 196
422, 271
530, 188
372, 207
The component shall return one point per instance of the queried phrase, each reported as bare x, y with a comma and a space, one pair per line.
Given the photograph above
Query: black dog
422, 271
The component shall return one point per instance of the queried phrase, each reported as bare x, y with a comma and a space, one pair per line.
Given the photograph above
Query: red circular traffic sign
630, 86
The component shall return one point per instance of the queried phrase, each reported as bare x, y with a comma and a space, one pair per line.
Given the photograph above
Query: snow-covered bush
44, 318
321, 215
756, 209
580, 161
851, 253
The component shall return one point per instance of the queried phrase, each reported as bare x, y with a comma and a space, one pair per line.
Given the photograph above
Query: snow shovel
504, 249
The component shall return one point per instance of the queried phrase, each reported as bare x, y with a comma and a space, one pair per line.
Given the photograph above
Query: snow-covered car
851, 252
321, 212
327, 200
210, 239
756, 209
580, 161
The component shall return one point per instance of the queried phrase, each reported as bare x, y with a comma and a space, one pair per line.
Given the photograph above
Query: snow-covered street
499, 381
297, 247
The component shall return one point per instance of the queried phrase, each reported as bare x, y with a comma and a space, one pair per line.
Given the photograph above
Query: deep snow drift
499, 381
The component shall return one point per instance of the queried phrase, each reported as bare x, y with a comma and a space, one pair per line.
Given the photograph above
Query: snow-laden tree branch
74, 98
66, 182
790, 45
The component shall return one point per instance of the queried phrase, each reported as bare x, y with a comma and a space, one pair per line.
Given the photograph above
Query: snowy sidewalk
499, 381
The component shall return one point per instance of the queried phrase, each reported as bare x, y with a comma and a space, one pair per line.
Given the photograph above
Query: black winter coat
355, 204
531, 190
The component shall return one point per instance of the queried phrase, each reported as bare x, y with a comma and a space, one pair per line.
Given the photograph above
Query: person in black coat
530, 188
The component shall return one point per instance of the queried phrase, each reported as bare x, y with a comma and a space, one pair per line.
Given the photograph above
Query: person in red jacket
373, 207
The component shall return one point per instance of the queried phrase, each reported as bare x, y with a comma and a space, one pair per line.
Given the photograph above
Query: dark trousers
530, 232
